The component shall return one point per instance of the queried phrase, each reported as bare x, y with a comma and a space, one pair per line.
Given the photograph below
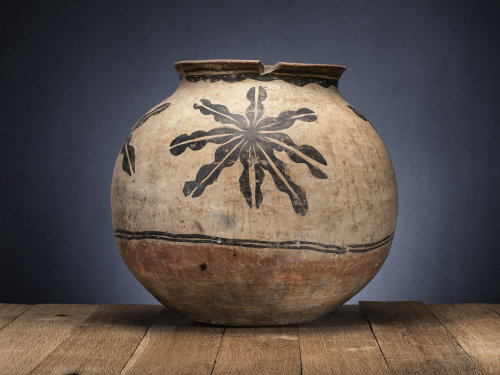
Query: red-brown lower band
232, 285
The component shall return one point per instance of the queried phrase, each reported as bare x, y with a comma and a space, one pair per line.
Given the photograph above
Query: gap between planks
341, 343
103, 343
176, 345
10, 312
30, 338
414, 341
476, 329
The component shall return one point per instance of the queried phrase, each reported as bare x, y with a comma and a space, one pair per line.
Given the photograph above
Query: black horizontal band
238, 77
291, 245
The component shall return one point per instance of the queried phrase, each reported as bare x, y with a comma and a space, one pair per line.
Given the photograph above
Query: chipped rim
213, 67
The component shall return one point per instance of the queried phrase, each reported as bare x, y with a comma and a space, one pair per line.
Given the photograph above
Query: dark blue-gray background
75, 76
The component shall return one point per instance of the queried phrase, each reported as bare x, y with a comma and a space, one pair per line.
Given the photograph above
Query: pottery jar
254, 195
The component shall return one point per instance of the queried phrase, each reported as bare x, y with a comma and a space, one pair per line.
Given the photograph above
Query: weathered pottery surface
254, 195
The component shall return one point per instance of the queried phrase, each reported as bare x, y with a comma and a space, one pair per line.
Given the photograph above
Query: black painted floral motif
128, 151
253, 139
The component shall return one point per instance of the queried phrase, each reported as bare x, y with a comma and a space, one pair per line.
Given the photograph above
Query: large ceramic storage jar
254, 195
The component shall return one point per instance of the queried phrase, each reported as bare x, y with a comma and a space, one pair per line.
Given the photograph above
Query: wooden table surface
372, 338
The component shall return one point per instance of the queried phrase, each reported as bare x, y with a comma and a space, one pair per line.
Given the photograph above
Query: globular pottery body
254, 195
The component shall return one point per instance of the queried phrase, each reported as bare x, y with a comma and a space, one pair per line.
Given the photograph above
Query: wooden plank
340, 343
176, 345
476, 327
413, 341
259, 350
35, 334
103, 343
10, 311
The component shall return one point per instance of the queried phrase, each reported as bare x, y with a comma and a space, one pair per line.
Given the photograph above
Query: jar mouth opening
255, 67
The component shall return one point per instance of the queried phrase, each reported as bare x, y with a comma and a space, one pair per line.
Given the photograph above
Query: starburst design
253, 140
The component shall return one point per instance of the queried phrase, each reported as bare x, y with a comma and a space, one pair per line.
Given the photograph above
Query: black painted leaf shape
282, 180
245, 188
225, 156
295, 152
249, 160
197, 140
128, 163
286, 119
259, 179
148, 115
221, 113
127, 150
357, 112
256, 109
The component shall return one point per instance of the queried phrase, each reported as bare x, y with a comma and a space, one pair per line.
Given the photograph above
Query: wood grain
410, 338
476, 327
9, 312
175, 345
103, 343
35, 334
263, 350
340, 343
413, 341
495, 307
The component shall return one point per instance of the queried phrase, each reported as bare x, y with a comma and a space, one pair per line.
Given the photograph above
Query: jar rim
213, 67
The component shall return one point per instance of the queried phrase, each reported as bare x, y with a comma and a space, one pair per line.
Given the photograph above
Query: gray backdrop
76, 76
